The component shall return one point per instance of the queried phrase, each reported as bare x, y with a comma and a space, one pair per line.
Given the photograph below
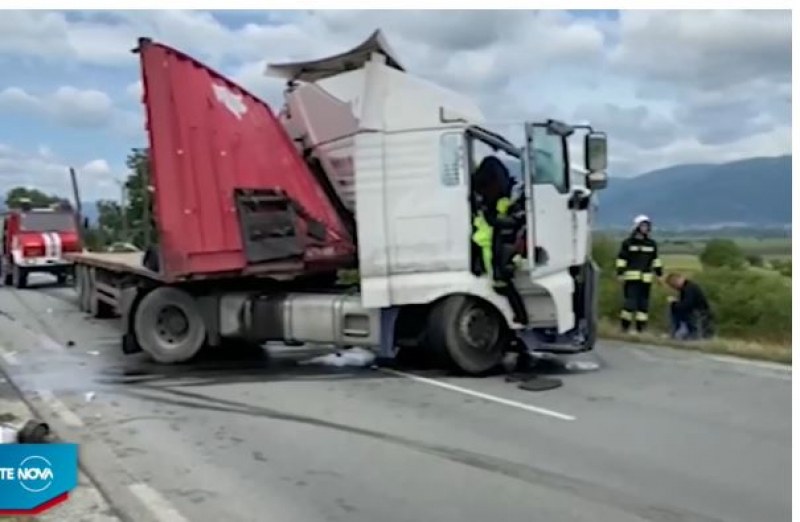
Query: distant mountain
753, 192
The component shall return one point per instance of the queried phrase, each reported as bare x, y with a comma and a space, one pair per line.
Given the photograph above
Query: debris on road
354, 357
581, 366
32, 432
540, 384
89, 396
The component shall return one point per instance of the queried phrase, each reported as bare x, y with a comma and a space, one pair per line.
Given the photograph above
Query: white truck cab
399, 152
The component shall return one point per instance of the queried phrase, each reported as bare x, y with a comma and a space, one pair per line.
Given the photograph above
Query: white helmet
641, 218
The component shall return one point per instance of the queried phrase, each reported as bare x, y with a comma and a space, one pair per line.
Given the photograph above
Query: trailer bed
120, 262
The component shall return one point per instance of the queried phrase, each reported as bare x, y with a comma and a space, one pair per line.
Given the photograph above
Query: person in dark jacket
690, 313
495, 229
637, 263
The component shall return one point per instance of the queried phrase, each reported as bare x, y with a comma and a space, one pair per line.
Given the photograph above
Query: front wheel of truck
468, 334
19, 277
169, 325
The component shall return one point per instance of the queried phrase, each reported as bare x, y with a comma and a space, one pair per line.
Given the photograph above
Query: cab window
550, 160
47, 222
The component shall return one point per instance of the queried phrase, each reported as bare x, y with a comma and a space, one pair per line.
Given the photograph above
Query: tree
722, 253
109, 222
37, 198
139, 204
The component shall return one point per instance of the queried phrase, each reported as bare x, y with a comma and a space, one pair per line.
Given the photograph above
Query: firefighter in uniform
496, 226
637, 263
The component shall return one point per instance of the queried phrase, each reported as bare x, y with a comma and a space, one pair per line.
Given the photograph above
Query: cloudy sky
669, 87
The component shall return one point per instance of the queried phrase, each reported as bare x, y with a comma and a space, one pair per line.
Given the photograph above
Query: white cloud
669, 87
97, 167
705, 50
43, 170
135, 90
67, 105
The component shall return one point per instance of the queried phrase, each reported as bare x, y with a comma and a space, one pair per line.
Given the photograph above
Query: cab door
551, 224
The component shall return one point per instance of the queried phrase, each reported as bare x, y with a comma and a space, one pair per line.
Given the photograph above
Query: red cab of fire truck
35, 240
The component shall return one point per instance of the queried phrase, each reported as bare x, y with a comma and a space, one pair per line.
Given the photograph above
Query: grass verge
734, 347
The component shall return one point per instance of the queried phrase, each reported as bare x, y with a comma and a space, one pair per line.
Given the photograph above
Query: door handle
579, 200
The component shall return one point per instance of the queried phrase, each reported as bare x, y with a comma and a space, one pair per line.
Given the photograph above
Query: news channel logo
36, 475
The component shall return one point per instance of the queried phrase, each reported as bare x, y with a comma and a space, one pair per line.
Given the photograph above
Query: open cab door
558, 236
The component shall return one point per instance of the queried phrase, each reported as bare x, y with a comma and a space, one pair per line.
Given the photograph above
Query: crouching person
690, 314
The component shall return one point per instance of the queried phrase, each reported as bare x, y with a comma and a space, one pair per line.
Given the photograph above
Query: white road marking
9, 357
484, 396
156, 503
60, 409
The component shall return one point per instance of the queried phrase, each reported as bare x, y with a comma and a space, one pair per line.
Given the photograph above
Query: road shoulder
86, 503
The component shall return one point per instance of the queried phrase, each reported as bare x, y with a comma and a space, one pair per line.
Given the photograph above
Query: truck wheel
169, 326
61, 278
19, 277
468, 334
7, 280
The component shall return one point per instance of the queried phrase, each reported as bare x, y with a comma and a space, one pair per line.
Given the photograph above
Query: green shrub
747, 305
784, 268
722, 253
755, 260
604, 252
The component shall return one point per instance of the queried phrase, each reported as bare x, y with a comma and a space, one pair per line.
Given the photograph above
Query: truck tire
169, 326
19, 277
468, 334
7, 280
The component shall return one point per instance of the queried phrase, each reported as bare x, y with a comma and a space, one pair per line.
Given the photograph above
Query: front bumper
44, 264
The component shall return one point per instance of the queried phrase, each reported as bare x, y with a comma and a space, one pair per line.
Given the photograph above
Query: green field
767, 247
687, 263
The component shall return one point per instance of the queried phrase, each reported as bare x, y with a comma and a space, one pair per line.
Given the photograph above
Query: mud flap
127, 301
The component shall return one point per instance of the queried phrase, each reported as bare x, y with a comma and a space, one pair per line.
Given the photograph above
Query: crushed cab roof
355, 58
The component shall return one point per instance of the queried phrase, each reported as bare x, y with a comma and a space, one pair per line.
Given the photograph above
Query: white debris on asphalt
8, 434
582, 366
356, 357
89, 396
93, 352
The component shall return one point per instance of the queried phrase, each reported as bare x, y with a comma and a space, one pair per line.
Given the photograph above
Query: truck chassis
173, 322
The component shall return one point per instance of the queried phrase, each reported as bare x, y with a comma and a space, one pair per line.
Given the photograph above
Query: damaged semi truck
365, 167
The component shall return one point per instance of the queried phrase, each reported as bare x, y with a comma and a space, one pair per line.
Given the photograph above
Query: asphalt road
655, 435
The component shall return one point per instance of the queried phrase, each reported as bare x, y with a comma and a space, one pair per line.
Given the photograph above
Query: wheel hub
172, 324
479, 329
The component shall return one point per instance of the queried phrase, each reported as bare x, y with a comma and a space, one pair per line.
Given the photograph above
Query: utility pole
78, 207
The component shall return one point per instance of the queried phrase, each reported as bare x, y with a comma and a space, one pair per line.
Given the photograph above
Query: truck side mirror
596, 180
595, 152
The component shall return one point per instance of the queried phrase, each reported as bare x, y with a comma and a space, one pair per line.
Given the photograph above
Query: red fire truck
35, 239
